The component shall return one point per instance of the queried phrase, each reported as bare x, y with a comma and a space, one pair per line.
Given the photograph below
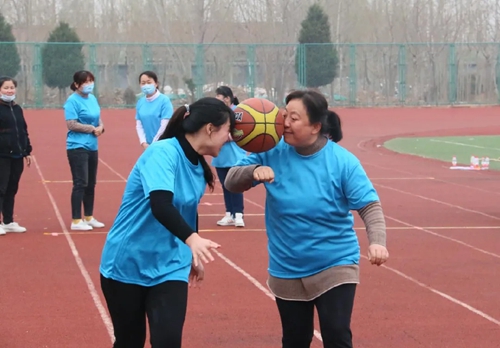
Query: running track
439, 289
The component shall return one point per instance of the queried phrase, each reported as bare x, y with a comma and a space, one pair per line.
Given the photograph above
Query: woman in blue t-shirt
83, 119
313, 248
229, 155
153, 251
153, 110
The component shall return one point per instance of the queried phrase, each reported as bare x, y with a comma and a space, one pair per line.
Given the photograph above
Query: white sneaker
80, 226
13, 227
238, 220
227, 220
2, 231
94, 223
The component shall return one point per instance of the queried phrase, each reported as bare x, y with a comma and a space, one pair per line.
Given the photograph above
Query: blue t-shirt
308, 220
85, 111
150, 113
229, 154
139, 249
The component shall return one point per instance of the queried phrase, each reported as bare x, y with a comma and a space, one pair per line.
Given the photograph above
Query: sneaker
2, 231
227, 220
80, 226
238, 220
13, 227
94, 223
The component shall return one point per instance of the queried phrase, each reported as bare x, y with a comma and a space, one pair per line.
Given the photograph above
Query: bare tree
178, 38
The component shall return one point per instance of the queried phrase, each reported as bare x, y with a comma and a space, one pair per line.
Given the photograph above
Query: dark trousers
164, 305
233, 201
11, 170
83, 165
334, 311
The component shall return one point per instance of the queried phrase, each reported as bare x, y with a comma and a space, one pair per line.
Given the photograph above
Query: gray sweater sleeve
240, 179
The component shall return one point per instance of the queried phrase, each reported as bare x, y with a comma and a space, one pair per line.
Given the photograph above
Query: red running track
439, 288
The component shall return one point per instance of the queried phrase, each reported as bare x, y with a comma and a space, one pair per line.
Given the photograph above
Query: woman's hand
98, 131
263, 173
200, 248
196, 275
144, 145
28, 160
377, 254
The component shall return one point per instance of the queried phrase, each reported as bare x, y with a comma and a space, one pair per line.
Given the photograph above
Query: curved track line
438, 201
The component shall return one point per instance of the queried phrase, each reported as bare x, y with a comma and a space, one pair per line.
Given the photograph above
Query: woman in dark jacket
15, 147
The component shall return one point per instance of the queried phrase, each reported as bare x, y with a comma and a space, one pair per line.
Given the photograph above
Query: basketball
259, 125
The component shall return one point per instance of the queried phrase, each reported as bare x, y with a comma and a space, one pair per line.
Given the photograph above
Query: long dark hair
227, 92
202, 112
318, 112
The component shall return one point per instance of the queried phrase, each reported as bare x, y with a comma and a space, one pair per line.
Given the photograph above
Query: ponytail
188, 119
73, 87
235, 101
333, 127
207, 173
175, 125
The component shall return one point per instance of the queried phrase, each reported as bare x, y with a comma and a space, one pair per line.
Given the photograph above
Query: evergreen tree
321, 60
62, 56
10, 62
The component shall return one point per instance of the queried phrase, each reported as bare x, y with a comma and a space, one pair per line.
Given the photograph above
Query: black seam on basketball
252, 123
265, 125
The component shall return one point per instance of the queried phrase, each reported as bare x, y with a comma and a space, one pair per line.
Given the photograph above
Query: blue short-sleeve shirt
139, 249
307, 213
85, 111
150, 113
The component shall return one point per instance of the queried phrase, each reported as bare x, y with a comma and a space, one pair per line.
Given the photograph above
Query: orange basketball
259, 125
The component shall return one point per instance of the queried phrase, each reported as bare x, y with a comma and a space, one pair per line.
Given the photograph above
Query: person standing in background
153, 110
83, 119
229, 155
15, 148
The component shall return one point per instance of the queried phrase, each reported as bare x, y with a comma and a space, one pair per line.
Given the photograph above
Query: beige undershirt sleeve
373, 217
240, 179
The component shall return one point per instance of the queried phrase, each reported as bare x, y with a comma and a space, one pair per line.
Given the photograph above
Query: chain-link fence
366, 74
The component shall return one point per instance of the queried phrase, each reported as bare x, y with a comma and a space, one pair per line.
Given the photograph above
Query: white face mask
7, 98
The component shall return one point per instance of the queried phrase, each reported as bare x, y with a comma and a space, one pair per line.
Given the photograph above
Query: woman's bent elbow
239, 179
230, 183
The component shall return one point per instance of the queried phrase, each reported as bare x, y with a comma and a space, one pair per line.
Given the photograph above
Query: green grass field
444, 148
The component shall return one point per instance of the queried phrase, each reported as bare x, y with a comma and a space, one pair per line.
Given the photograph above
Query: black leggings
334, 311
164, 304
